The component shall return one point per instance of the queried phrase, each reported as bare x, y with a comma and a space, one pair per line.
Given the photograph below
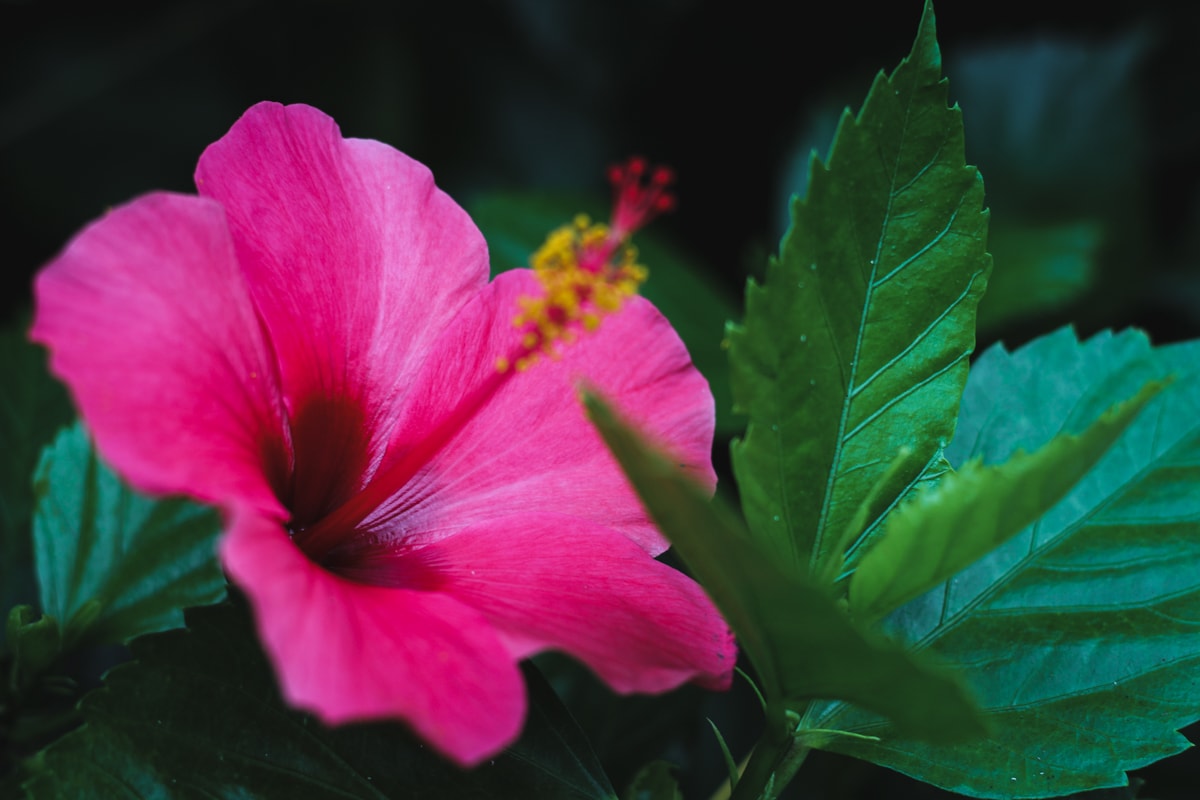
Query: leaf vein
908, 391
920, 337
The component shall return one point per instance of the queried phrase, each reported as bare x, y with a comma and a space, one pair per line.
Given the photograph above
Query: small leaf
800, 642
35, 642
1079, 634
856, 346
654, 782
1042, 267
730, 762
112, 564
762, 701
947, 527
517, 224
198, 715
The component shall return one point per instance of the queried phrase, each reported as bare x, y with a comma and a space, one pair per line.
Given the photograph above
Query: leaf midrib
817, 555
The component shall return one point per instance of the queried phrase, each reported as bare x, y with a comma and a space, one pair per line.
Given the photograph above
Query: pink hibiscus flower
312, 345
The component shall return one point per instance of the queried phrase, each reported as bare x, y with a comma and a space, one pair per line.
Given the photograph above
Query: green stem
772, 765
789, 765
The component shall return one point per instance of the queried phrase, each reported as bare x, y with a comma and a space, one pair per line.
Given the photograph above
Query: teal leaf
1080, 635
112, 564
198, 715
516, 225
802, 645
33, 406
946, 527
855, 348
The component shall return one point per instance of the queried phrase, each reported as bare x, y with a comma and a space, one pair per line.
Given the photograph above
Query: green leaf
112, 564
801, 643
198, 715
35, 642
730, 762
1041, 268
32, 408
654, 782
1080, 634
947, 527
856, 346
516, 225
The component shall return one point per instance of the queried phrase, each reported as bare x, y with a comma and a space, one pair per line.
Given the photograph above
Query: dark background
1071, 116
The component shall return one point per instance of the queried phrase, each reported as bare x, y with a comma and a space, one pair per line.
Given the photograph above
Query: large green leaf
970, 512
801, 643
1081, 634
112, 564
516, 225
32, 409
198, 715
855, 348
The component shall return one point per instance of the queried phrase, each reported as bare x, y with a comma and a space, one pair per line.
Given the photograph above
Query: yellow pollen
585, 273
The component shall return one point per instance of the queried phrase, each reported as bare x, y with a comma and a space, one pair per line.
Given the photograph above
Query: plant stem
773, 762
789, 765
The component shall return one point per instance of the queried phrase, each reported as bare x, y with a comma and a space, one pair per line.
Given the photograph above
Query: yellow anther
587, 270
585, 273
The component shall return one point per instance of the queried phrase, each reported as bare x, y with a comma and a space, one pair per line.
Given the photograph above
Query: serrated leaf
198, 715
801, 643
945, 528
516, 224
1080, 634
112, 564
32, 408
856, 346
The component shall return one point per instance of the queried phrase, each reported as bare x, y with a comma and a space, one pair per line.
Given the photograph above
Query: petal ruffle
356, 262
521, 442
347, 651
147, 319
554, 582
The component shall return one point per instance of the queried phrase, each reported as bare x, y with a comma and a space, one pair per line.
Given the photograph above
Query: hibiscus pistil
587, 269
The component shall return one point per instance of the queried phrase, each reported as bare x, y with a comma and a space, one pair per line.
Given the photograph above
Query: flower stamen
587, 269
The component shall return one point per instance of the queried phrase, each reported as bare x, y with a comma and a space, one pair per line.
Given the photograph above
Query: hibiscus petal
147, 320
348, 651
356, 261
554, 582
520, 442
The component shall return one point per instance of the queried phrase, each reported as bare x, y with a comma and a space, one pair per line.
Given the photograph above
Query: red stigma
639, 197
